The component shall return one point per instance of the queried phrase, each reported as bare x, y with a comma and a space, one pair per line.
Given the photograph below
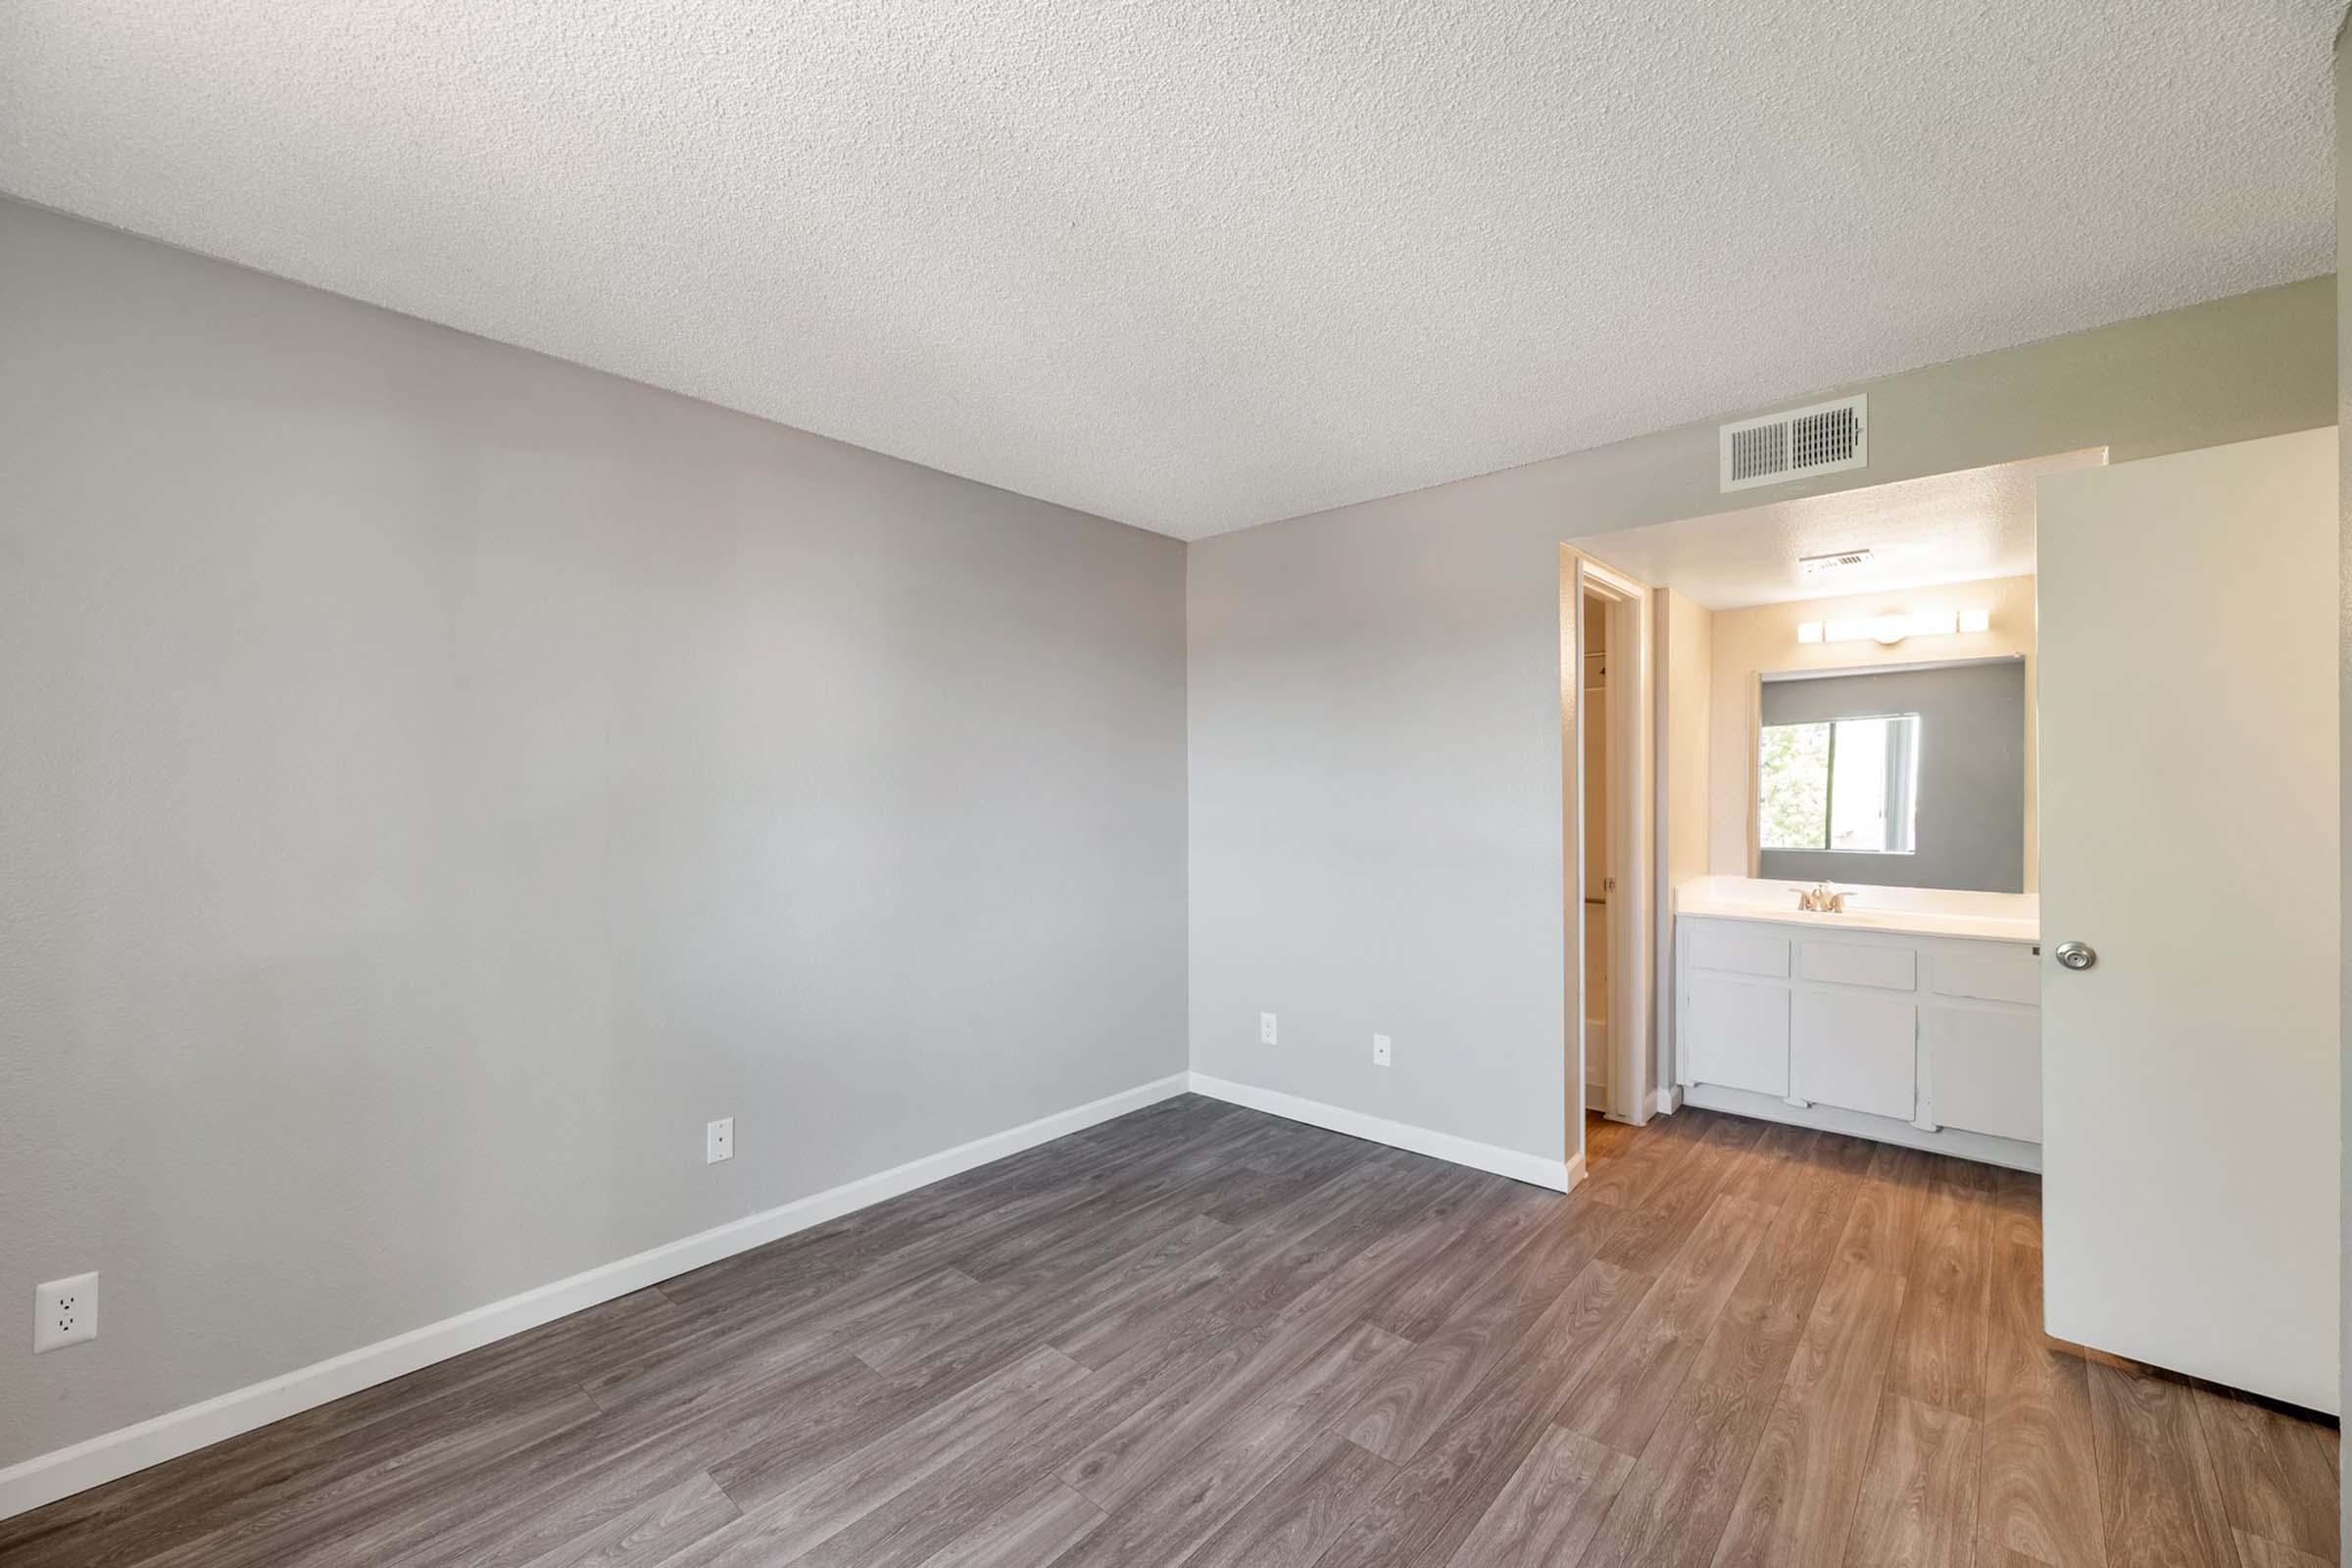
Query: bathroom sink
2004, 918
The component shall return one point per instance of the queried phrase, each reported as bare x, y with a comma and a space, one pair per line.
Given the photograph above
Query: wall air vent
1821, 438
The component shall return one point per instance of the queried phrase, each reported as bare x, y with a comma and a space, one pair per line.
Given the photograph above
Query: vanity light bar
1891, 630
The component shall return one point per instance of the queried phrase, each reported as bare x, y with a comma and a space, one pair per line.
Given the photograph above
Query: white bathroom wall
2344, 404
1685, 677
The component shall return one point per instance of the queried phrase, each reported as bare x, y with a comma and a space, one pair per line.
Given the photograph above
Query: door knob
2076, 955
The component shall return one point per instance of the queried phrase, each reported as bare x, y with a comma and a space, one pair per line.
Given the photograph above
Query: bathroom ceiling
1198, 267
1950, 528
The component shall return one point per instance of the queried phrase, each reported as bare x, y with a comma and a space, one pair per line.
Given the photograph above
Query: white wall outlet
1265, 1028
718, 1141
65, 1312
1380, 1051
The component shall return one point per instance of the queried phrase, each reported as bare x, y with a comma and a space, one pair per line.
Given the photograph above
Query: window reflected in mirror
1847, 784
1898, 775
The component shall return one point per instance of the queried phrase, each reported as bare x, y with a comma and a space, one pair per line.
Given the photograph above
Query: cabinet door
1984, 1070
1739, 1034
1857, 1051
1990, 971
1737, 947
1846, 964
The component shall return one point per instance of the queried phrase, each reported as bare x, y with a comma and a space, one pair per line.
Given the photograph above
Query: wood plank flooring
1203, 1336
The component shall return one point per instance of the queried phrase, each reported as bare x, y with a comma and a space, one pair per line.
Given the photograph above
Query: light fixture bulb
1889, 629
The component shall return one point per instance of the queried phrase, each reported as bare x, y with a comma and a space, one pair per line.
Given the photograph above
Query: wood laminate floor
1203, 1336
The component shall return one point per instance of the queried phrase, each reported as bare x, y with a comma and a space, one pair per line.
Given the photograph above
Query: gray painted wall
437, 779
1971, 815
1374, 700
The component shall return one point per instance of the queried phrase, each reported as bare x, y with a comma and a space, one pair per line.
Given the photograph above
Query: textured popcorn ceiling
1199, 265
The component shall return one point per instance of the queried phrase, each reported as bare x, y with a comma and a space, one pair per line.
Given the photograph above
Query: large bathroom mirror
1898, 777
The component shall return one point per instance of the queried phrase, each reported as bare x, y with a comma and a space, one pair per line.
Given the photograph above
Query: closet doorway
1608, 743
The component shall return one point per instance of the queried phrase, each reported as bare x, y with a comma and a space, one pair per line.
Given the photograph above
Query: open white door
2187, 645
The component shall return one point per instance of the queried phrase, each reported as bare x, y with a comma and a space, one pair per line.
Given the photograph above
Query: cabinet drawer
1736, 1033
1848, 963
1857, 1051
1984, 1070
1739, 949
1986, 972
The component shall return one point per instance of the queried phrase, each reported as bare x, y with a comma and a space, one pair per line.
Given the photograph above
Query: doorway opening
1605, 702
1841, 795
1887, 720
1601, 858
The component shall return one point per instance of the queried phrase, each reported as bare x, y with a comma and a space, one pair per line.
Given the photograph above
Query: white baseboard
47, 1477
1558, 1175
1981, 1147
1665, 1101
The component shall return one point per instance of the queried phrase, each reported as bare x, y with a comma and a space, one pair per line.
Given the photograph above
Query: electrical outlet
1380, 1051
718, 1141
65, 1312
1265, 1028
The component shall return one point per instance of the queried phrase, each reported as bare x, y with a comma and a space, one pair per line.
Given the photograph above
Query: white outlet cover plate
65, 1312
1266, 1029
1380, 1051
718, 1141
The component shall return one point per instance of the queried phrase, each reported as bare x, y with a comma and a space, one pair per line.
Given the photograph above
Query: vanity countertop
1910, 911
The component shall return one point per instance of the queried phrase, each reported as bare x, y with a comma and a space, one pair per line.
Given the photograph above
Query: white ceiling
1950, 528
1196, 267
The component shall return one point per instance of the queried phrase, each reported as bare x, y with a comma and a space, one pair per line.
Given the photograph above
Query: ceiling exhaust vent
1822, 565
1821, 438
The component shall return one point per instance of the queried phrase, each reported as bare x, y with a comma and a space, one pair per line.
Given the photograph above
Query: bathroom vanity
1912, 1016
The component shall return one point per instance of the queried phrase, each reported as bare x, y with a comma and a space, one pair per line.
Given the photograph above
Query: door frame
1627, 688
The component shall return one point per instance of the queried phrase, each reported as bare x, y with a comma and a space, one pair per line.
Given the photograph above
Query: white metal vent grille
1839, 560
1822, 438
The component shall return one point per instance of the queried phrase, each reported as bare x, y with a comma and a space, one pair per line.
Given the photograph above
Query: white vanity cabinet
1738, 1033
1856, 1050
1922, 1039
